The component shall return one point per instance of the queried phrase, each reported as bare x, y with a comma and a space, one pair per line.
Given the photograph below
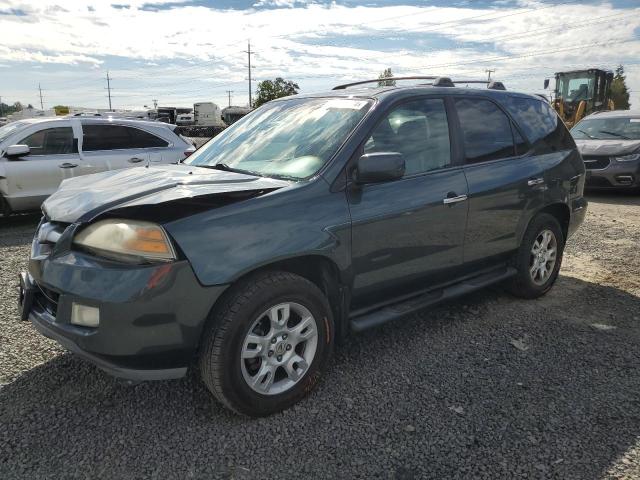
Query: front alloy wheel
267, 343
279, 347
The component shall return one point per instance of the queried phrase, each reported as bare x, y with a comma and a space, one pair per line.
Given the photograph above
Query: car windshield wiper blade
590, 136
226, 168
614, 134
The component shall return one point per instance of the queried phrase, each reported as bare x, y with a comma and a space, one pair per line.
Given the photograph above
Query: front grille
595, 162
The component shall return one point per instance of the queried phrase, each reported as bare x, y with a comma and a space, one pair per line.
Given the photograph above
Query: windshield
620, 128
9, 128
292, 138
574, 87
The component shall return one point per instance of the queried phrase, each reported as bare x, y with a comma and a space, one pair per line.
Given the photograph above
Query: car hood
83, 198
607, 147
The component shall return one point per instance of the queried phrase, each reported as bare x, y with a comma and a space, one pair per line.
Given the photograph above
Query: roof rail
364, 82
437, 82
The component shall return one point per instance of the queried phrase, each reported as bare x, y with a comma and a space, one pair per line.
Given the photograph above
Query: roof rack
437, 82
363, 82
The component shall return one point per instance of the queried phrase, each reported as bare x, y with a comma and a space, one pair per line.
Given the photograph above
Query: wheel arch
559, 210
319, 270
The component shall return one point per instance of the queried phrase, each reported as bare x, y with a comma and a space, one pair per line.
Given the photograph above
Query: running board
400, 309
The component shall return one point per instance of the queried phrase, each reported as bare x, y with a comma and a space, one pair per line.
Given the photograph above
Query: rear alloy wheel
267, 344
539, 258
543, 257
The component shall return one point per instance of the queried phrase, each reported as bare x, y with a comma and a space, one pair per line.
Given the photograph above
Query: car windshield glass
9, 128
291, 138
620, 128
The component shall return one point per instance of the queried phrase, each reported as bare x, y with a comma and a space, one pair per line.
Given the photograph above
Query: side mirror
546, 83
379, 167
15, 151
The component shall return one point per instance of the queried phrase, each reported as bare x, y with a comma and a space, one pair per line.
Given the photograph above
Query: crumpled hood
83, 198
608, 147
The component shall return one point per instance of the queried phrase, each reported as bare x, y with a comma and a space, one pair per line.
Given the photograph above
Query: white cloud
214, 40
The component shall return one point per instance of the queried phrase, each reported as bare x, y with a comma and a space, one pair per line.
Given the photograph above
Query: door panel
32, 178
404, 236
503, 187
500, 200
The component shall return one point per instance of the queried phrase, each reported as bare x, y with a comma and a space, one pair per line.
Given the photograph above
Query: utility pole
109, 89
229, 92
489, 71
41, 104
249, 53
155, 103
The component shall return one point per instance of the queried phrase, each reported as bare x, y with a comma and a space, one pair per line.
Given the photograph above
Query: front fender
226, 243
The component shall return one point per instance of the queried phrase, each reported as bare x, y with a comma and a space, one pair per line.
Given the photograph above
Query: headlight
628, 158
128, 240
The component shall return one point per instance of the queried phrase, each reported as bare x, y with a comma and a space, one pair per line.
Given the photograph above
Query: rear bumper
151, 317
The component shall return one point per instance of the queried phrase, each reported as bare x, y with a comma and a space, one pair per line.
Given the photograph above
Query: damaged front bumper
150, 316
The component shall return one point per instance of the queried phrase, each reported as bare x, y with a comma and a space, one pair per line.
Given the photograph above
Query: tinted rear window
540, 124
486, 130
117, 137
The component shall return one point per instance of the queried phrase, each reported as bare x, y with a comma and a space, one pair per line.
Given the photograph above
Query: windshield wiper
226, 168
590, 136
614, 134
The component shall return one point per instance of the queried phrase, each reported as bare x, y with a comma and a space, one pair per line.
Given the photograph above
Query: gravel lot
489, 387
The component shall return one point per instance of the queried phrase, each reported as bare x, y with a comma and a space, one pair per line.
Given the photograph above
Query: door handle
68, 165
532, 182
448, 200
135, 160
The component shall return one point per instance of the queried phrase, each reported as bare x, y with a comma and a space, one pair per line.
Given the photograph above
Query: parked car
37, 154
610, 146
312, 217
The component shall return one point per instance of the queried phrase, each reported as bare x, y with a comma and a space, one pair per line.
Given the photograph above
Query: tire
296, 361
529, 282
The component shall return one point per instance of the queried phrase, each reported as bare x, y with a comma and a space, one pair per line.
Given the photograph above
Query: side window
486, 130
417, 129
540, 124
51, 141
142, 139
116, 137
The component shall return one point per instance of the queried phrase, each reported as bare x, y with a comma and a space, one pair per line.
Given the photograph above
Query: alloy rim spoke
304, 330
274, 363
279, 315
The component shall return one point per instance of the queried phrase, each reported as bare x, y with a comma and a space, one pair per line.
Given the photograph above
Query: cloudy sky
183, 51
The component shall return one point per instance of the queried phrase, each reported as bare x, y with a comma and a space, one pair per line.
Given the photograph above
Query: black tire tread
210, 358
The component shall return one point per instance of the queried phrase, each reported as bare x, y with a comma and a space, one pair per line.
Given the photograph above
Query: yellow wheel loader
580, 93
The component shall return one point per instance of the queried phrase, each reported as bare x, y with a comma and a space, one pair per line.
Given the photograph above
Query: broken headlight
127, 240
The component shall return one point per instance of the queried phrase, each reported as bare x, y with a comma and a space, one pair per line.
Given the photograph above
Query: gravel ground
489, 387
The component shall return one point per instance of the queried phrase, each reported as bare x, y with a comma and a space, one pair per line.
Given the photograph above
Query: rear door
404, 237
53, 157
113, 146
506, 181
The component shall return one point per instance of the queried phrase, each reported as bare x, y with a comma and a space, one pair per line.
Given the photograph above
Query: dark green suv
312, 217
